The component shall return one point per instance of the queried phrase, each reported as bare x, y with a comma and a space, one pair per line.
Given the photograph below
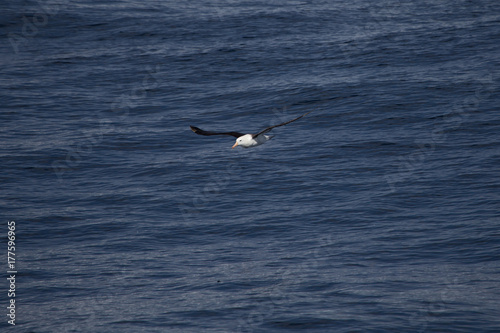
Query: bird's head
244, 141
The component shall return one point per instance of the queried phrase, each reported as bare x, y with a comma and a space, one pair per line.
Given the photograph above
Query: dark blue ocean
377, 212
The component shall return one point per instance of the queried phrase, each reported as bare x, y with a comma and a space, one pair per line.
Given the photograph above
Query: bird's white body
247, 140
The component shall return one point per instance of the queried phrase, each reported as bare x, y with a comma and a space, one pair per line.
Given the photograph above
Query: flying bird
247, 140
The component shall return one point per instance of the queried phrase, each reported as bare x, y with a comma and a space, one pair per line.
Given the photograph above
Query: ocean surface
377, 212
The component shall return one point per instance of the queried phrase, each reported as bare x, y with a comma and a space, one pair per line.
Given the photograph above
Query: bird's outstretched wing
282, 124
207, 133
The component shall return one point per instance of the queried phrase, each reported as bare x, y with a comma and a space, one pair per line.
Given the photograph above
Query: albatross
247, 140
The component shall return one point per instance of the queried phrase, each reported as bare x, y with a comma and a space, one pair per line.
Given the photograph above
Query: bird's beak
234, 145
